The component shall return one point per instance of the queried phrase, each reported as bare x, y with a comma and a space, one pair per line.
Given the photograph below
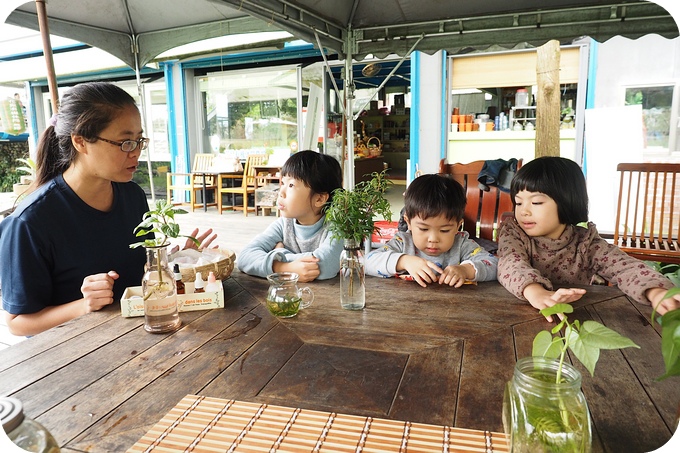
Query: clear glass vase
352, 276
543, 416
159, 293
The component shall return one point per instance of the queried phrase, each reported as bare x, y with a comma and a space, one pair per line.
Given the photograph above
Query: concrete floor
234, 231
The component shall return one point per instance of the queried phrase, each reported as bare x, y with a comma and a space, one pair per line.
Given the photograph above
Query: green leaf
545, 346
595, 335
670, 339
557, 308
586, 354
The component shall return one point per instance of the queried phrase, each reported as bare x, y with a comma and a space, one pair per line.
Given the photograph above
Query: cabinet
527, 113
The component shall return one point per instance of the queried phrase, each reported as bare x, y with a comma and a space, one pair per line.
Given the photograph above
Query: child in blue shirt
299, 241
433, 250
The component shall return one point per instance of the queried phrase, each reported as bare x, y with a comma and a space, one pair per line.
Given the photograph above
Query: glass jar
159, 293
352, 276
23, 431
540, 415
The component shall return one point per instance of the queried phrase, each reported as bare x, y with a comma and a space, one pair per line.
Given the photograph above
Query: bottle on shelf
199, 284
181, 289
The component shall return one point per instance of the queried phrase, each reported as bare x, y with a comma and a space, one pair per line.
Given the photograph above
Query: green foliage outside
9, 153
160, 182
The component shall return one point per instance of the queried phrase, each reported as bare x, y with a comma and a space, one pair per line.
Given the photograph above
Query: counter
487, 145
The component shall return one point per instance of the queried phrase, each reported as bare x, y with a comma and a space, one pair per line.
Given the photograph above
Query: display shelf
528, 114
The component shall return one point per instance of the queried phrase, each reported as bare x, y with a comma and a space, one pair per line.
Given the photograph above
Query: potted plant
159, 292
25, 181
543, 406
350, 219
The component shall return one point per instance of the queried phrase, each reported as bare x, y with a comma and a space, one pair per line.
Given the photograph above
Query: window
657, 112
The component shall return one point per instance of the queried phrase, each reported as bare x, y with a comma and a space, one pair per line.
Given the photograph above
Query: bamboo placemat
202, 424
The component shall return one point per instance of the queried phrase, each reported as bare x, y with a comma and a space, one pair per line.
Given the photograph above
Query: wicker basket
222, 268
373, 149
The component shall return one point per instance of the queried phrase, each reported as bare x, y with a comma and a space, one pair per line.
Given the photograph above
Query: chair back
484, 209
249, 172
203, 162
648, 211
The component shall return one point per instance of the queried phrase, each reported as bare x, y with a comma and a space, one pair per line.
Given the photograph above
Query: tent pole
41, 9
349, 108
143, 107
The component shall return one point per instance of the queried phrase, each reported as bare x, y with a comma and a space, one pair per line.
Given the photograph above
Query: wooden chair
246, 188
192, 182
648, 211
484, 210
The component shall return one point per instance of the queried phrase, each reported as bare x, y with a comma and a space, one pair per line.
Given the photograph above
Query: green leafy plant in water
161, 222
584, 340
670, 338
350, 214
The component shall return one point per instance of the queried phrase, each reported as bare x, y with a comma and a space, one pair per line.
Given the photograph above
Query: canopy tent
137, 30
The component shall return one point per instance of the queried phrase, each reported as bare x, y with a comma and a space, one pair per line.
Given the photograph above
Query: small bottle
178, 280
23, 431
213, 285
199, 284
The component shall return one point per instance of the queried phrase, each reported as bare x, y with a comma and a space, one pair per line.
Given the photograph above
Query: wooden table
430, 355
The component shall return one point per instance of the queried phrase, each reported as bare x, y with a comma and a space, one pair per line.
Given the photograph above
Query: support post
548, 99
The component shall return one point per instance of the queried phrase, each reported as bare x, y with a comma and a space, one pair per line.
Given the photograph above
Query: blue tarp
5, 137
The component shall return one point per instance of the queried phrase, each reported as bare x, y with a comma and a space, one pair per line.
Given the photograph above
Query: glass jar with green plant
350, 219
159, 292
543, 407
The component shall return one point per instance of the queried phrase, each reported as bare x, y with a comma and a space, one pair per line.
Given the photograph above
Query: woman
68, 240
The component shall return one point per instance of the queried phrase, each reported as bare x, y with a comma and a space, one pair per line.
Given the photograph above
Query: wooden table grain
433, 355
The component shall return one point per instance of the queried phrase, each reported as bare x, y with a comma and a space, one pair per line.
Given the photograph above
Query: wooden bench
484, 209
648, 211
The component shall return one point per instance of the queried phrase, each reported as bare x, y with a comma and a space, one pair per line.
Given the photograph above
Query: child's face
297, 201
434, 235
536, 214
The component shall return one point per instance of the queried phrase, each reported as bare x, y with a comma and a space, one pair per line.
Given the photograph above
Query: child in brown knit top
544, 245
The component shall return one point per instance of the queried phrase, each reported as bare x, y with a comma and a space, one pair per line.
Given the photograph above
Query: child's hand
422, 270
662, 306
456, 275
540, 298
306, 267
98, 291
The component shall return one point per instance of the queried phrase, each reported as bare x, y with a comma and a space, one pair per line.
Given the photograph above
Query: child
543, 245
433, 250
299, 241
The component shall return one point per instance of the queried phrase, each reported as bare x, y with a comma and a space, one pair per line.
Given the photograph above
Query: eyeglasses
127, 146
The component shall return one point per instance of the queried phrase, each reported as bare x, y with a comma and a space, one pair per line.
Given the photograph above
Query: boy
433, 250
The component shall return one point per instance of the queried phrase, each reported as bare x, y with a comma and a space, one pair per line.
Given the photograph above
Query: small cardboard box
131, 304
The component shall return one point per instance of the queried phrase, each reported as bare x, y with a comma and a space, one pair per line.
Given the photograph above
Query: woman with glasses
65, 249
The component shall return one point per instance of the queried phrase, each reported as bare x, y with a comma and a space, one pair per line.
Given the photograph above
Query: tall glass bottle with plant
350, 219
543, 407
158, 284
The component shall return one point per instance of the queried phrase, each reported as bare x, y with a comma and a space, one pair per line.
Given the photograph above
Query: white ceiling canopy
362, 27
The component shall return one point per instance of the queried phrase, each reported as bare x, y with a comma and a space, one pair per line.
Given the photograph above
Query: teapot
284, 298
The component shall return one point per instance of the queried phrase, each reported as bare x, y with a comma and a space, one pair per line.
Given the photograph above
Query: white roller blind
511, 69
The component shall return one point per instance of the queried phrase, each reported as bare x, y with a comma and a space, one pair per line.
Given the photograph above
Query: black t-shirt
53, 240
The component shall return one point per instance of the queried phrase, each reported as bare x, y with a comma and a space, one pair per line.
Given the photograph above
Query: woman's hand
541, 298
98, 291
204, 239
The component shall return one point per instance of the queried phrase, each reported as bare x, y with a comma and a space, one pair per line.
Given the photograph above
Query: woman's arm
97, 293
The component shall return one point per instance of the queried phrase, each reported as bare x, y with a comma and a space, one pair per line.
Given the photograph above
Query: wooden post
41, 9
548, 99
